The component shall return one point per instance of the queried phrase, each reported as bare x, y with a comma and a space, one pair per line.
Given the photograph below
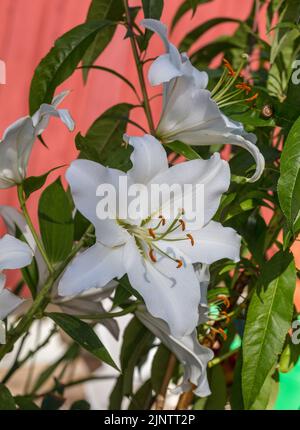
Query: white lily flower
19, 137
191, 113
89, 302
158, 260
14, 254
193, 356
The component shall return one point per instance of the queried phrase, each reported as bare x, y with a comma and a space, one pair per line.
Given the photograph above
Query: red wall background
28, 29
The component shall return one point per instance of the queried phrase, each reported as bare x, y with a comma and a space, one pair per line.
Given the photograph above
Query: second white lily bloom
170, 292
190, 113
19, 137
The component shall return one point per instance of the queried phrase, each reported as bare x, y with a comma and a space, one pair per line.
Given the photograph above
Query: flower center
230, 89
147, 239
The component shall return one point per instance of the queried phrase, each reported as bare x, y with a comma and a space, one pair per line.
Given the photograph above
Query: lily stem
32, 229
161, 397
139, 67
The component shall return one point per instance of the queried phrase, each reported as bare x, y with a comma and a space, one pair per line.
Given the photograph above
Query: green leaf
56, 222
183, 149
7, 402
289, 181
61, 62
52, 402
34, 183
25, 403
99, 10
153, 8
116, 396
136, 338
103, 141
268, 321
196, 33
217, 383
84, 335
186, 7
159, 366
142, 399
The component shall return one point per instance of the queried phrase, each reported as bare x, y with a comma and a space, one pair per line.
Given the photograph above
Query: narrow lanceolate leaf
111, 10
61, 61
194, 35
84, 335
103, 141
289, 181
153, 8
187, 6
268, 321
56, 222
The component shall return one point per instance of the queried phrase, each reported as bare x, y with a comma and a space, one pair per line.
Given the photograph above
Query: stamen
152, 256
227, 317
225, 300
191, 239
244, 86
180, 263
163, 219
250, 99
151, 232
182, 223
229, 67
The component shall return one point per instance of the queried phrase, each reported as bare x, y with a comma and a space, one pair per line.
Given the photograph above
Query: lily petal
14, 253
170, 294
15, 149
93, 268
187, 349
148, 158
214, 177
84, 177
212, 243
8, 303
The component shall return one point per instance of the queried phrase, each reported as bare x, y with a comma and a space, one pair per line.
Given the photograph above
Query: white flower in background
14, 254
191, 113
19, 137
89, 302
193, 356
157, 257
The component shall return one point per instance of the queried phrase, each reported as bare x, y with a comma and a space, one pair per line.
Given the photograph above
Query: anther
163, 219
151, 232
182, 223
225, 300
244, 86
191, 239
250, 99
152, 256
229, 67
180, 263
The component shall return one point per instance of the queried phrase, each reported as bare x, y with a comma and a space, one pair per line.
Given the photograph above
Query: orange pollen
229, 67
244, 86
250, 99
182, 223
152, 256
151, 232
191, 239
226, 316
180, 263
222, 333
225, 300
163, 220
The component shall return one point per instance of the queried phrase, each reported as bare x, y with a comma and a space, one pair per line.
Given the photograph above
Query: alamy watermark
137, 202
